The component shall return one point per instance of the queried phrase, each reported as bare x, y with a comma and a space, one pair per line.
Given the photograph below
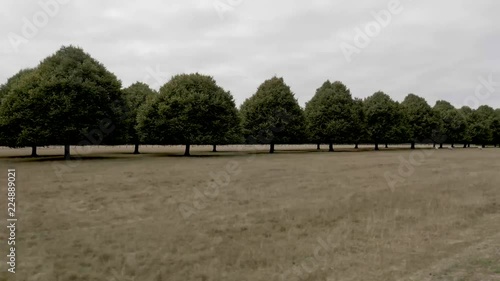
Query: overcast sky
435, 49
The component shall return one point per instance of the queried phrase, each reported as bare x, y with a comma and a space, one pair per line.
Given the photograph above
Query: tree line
72, 99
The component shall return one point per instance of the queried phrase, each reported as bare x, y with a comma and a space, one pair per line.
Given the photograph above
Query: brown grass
154, 216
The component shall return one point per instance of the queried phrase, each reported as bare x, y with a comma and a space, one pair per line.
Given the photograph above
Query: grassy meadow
244, 214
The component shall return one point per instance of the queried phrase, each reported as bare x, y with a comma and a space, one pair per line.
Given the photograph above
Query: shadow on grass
50, 158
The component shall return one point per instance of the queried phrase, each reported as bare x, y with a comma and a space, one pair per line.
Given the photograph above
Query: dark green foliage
495, 127
451, 123
190, 109
481, 121
136, 96
69, 99
333, 116
384, 118
21, 121
359, 122
418, 119
272, 115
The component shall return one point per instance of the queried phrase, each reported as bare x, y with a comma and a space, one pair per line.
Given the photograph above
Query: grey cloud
433, 49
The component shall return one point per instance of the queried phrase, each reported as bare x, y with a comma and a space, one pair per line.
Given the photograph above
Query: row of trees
72, 99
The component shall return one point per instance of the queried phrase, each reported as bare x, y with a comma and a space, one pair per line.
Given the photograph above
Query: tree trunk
465, 145
434, 145
356, 146
330, 147
186, 152
440, 145
271, 148
386, 145
214, 149
33, 151
483, 146
67, 154
468, 145
376, 146
413, 145
452, 145
318, 147
136, 148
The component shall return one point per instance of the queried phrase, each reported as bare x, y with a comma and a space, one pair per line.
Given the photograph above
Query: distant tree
418, 117
18, 124
383, 118
273, 115
495, 126
451, 124
466, 113
482, 124
331, 115
359, 123
69, 99
136, 96
190, 109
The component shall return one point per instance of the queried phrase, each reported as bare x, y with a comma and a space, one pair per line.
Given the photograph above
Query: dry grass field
234, 215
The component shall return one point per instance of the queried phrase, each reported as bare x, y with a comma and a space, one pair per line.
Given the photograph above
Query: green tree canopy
70, 99
136, 96
332, 116
418, 118
18, 128
383, 117
273, 115
190, 109
481, 125
495, 126
451, 123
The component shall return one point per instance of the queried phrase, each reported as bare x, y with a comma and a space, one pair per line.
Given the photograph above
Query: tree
359, 123
21, 122
69, 99
466, 113
383, 118
136, 95
331, 115
11, 122
495, 127
451, 124
418, 118
190, 109
481, 125
273, 115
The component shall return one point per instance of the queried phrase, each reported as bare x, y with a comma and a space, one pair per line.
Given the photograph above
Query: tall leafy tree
331, 115
418, 117
70, 99
466, 113
481, 125
136, 96
190, 109
496, 128
359, 123
383, 117
11, 122
273, 115
451, 124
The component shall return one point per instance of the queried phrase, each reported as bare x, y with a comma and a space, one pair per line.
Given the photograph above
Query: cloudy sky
435, 49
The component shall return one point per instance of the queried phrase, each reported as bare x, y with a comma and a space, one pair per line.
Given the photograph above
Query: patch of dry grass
303, 215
